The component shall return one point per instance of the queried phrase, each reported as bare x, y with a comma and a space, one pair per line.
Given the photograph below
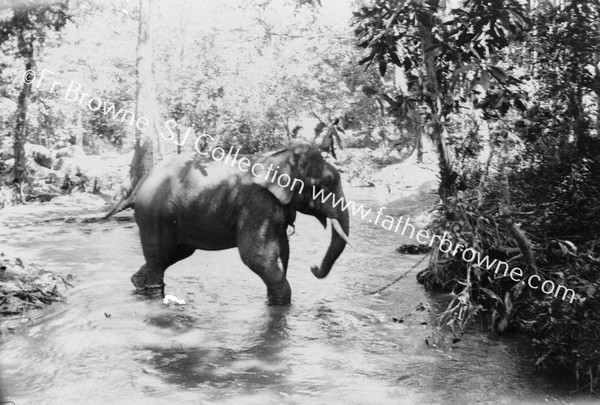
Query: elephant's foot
278, 301
142, 283
281, 296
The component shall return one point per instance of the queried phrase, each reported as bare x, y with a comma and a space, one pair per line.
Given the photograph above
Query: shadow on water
260, 364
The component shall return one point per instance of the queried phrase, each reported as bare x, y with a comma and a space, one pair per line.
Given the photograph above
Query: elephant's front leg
268, 258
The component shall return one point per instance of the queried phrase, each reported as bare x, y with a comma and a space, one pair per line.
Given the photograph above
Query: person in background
332, 130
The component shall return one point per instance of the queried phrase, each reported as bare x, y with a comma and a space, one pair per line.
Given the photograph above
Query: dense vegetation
510, 94
507, 91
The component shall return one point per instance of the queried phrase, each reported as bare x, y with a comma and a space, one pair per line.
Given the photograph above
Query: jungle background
502, 95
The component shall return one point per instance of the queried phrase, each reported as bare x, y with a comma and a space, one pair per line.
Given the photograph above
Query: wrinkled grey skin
189, 203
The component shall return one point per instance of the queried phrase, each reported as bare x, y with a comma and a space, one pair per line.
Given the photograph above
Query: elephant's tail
125, 202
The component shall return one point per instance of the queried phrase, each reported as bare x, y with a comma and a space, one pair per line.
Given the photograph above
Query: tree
147, 146
558, 129
26, 28
565, 72
448, 60
251, 82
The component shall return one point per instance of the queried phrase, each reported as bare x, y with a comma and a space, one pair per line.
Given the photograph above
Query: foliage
564, 332
466, 44
253, 85
477, 226
27, 20
461, 70
567, 334
448, 60
22, 33
561, 187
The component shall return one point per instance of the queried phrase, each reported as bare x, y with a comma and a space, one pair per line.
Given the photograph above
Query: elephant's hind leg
140, 278
160, 253
268, 259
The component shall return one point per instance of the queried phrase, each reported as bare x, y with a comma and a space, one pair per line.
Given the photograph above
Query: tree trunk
598, 112
419, 148
447, 175
20, 134
596, 88
147, 145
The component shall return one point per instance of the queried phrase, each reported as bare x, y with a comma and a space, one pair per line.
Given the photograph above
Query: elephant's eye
328, 180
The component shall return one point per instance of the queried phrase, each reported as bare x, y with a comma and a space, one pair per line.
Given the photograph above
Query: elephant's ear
281, 166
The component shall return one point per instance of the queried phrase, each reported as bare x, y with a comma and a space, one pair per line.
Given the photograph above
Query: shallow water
334, 344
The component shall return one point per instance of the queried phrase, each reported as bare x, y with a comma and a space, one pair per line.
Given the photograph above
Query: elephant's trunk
337, 245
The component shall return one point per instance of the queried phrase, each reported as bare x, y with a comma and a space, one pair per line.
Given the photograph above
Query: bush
557, 205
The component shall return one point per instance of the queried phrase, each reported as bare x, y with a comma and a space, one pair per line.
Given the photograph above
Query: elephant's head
298, 175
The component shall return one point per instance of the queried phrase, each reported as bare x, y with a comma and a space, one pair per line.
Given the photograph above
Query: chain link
385, 287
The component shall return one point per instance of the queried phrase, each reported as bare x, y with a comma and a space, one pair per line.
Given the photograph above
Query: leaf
365, 43
498, 73
432, 48
484, 80
475, 53
382, 67
394, 58
570, 244
518, 17
564, 249
365, 60
491, 294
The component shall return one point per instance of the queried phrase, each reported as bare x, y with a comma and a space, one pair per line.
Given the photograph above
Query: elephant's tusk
338, 228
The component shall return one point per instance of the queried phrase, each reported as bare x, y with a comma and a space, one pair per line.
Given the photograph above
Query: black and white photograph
299, 202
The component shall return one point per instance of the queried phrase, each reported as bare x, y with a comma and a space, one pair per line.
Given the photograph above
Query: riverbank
25, 289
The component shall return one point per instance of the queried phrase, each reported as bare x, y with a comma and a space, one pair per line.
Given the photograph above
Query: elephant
191, 202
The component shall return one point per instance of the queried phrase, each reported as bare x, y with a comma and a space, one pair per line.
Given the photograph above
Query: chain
385, 287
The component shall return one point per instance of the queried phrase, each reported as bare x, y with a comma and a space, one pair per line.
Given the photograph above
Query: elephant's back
177, 179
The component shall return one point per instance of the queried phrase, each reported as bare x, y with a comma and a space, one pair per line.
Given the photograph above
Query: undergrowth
554, 210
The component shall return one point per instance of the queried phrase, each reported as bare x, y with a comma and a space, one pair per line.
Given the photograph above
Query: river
334, 344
